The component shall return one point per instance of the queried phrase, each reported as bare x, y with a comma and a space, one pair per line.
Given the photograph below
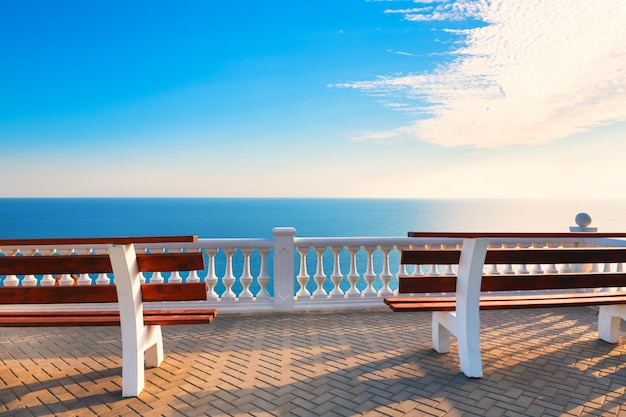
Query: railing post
284, 268
583, 220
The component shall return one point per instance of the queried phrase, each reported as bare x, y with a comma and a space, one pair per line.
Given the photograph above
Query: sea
318, 217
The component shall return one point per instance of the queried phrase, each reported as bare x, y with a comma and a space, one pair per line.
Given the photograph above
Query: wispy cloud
538, 71
400, 52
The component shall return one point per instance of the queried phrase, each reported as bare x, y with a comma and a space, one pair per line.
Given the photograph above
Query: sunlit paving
537, 362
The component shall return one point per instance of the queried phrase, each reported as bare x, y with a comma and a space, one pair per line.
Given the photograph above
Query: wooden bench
140, 327
472, 289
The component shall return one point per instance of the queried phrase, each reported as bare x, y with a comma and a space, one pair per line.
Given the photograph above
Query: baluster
369, 275
47, 281
193, 275
523, 268
246, 278
493, 268
157, 277
175, 277
536, 268
508, 268
448, 268
84, 278
103, 278
319, 276
432, 271
402, 272
211, 278
29, 280
12, 280
264, 278
353, 275
552, 267
336, 276
385, 274
66, 279
567, 268
229, 278
303, 277
620, 268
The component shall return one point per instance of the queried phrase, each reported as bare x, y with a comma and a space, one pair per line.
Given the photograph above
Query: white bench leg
467, 333
440, 334
468, 338
609, 320
145, 345
132, 368
154, 347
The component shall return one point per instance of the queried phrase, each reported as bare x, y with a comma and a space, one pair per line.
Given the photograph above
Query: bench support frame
609, 319
140, 343
464, 323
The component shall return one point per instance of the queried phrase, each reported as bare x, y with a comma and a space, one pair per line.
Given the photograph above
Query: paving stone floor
373, 363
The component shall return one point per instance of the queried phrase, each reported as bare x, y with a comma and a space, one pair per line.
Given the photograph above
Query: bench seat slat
437, 284
60, 321
102, 318
528, 296
170, 319
506, 302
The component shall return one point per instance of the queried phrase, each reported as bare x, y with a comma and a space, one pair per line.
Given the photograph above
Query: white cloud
539, 71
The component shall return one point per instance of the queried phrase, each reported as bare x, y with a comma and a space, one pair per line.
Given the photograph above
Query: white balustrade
293, 273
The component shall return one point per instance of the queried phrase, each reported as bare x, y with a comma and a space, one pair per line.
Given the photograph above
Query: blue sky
342, 98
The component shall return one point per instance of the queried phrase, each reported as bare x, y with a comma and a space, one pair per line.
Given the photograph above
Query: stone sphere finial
583, 219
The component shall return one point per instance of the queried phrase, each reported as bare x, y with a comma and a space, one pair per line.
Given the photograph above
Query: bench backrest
529, 281
88, 264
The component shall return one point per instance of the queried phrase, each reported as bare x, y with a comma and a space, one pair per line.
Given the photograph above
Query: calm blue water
232, 217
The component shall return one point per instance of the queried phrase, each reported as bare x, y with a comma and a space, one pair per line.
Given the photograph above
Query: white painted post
284, 268
583, 220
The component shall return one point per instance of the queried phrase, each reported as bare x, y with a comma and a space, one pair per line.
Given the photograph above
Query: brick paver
371, 363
